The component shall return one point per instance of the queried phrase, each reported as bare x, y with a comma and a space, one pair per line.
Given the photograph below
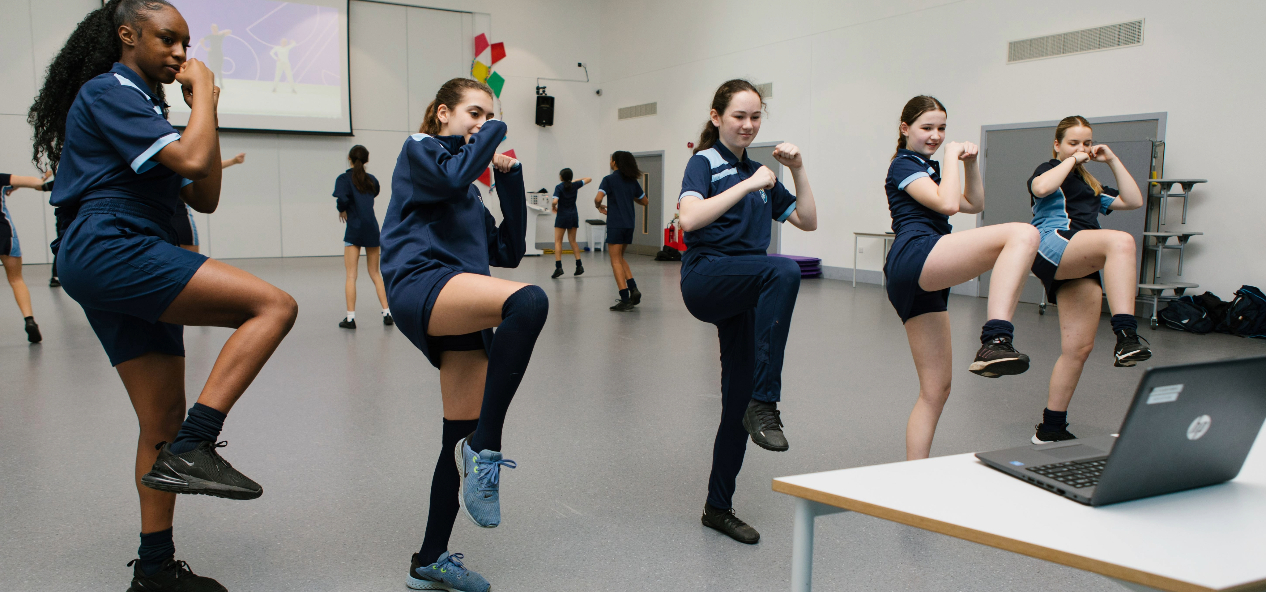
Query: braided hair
91, 50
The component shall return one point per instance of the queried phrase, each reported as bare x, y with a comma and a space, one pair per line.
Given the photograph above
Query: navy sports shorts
619, 236
1049, 254
412, 300
567, 218
119, 260
903, 268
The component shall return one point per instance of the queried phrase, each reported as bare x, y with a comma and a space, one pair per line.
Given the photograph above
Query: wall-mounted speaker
544, 111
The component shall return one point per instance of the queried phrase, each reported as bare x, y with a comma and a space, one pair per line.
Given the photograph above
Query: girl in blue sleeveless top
1067, 201
123, 171
354, 193
926, 260
727, 279
438, 242
567, 219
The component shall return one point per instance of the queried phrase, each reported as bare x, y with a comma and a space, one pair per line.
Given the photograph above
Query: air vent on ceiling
766, 90
1098, 38
643, 110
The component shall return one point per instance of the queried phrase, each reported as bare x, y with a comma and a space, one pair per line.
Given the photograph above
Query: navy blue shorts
120, 262
412, 300
567, 219
619, 236
903, 268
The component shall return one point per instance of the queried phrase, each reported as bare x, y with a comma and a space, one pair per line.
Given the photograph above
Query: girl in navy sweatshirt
438, 241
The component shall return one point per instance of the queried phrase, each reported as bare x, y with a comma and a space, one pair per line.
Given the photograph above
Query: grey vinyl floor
612, 430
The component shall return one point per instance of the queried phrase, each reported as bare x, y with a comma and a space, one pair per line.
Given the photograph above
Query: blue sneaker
480, 494
447, 573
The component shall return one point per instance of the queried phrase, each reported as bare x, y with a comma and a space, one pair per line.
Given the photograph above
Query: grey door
648, 225
1012, 154
764, 154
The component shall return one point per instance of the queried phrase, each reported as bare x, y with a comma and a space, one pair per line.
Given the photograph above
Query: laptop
1189, 426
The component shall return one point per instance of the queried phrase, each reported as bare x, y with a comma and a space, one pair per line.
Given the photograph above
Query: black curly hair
91, 50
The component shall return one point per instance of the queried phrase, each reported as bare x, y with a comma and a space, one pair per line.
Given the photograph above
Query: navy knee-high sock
522, 317
444, 486
157, 547
1124, 322
996, 328
202, 425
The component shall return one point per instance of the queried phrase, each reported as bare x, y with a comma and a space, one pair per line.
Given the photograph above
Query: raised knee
1028, 235
283, 307
529, 303
786, 270
1123, 243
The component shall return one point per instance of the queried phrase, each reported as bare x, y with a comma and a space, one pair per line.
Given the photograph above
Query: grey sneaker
199, 471
447, 573
480, 493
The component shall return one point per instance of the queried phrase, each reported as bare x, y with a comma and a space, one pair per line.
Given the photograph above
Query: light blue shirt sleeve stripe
688, 194
787, 214
1105, 203
723, 174
184, 182
142, 162
912, 178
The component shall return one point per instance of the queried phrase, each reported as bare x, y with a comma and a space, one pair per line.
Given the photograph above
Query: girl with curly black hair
122, 172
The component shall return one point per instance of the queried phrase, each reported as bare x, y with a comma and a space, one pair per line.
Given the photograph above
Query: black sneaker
1129, 351
53, 282
730, 525
999, 358
580, 269
387, 320
558, 272
1046, 435
763, 422
347, 323
33, 331
173, 576
635, 296
200, 471
623, 306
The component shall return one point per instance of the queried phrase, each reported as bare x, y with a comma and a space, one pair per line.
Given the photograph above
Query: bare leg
571, 238
1109, 250
462, 375
1079, 306
351, 258
156, 385
372, 257
470, 302
929, 336
13, 271
1007, 249
220, 295
619, 267
558, 244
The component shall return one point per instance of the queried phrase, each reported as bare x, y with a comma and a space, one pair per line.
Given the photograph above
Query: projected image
269, 58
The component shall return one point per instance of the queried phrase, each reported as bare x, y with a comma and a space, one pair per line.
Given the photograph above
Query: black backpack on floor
1246, 315
1186, 314
668, 254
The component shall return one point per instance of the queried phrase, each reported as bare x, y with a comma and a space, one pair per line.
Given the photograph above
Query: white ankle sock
386, 312
351, 315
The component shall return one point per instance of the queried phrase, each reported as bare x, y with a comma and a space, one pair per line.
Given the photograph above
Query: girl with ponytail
624, 187
438, 241
926, 260
123, 172
567, 219
354, 193
1067, 201
727, 279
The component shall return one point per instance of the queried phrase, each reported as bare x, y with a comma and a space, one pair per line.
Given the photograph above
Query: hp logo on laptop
1199, 427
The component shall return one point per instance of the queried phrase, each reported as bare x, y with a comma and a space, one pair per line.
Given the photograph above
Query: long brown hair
450, 95
914, 109
626, 165
1066, 124
359, 155
720, 101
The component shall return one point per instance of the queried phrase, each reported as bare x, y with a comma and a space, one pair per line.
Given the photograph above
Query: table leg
1133, 586
854, 261
802, 542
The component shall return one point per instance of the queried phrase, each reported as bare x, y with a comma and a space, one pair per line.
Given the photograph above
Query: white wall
843, 70
278, 203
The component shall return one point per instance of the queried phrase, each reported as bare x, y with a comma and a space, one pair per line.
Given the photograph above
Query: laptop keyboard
1079, 473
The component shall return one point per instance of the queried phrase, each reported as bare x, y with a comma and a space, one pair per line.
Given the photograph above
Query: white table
1213, 538
887, 236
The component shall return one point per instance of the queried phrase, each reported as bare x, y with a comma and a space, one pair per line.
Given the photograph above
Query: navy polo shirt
362, 223
567, 197
113, 131
908, 215
1074, 206
744, 228
621, 193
